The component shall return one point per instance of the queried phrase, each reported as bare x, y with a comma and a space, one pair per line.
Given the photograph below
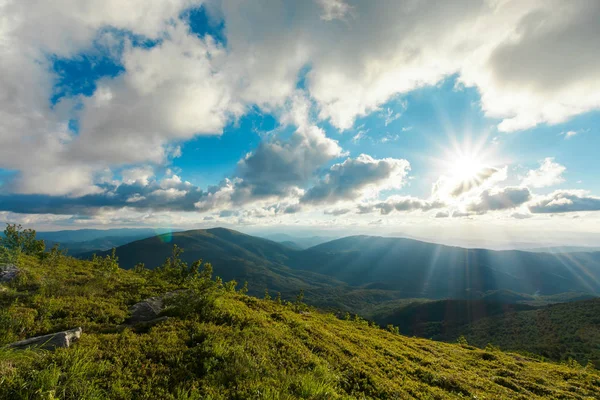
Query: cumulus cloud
442, 214
279, 168
521, 215
548, 174
399, 203
334, 9
562, 201
518, 55
337, 211
500, 199
354, 177
451, 187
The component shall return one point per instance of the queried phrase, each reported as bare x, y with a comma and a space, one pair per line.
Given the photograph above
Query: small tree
139, 268
231, 285
54, 255
278, 298
393, 329
109, 263
244, 289
267, 295
22, 240
298, 304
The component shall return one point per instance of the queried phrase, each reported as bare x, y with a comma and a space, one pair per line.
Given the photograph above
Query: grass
221, 344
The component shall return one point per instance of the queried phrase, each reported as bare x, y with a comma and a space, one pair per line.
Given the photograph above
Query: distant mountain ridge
437, 271
405, 267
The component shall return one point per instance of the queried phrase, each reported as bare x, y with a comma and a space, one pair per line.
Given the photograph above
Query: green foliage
107, 264
244, 289
139, 268
231, 285
393, 329
19, 240
462, 341
221, 344
557, 332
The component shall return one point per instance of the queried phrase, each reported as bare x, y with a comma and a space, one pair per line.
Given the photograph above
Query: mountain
215, 343
300, 242
100, 244
234, 255
558, 331
421, 269
564, 249
372, 267
86, 235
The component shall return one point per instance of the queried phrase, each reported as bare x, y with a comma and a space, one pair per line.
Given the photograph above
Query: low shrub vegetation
219, 343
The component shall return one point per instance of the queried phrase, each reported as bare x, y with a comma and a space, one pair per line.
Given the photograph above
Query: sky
464, 120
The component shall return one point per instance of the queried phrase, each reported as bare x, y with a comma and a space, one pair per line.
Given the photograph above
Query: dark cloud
442, 214
562, 201
347, 180
170, 194
500, 199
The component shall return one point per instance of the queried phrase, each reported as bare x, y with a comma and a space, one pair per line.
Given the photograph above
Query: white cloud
500, 199
548, 174
355, 178
399, 203
442, 214
518, 55
451, 187
562, 201
334, 9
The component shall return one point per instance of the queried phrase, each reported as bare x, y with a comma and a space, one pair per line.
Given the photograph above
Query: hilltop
219, 343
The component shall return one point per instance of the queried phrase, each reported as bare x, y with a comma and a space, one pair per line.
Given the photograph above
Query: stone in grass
8, 273
51, 341
146, 310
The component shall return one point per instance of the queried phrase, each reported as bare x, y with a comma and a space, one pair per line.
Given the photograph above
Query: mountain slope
421, 269
234, 255
385, 268
558, 331
432, 319
218, 344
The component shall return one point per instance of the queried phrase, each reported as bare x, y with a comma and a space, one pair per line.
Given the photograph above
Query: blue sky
329, 114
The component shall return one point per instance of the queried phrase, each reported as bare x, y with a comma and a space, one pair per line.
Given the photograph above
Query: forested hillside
557, 332
212, 341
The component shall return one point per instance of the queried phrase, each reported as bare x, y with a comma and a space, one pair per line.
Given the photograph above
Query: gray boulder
51, 341
8, 273
146, 310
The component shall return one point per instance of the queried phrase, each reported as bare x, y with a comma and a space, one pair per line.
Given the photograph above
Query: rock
8, 272
146, 310
51, 341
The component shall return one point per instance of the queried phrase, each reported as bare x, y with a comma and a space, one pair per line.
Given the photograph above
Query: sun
466, 167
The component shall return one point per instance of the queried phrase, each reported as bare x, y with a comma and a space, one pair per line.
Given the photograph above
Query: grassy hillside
222, 344
558, 332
